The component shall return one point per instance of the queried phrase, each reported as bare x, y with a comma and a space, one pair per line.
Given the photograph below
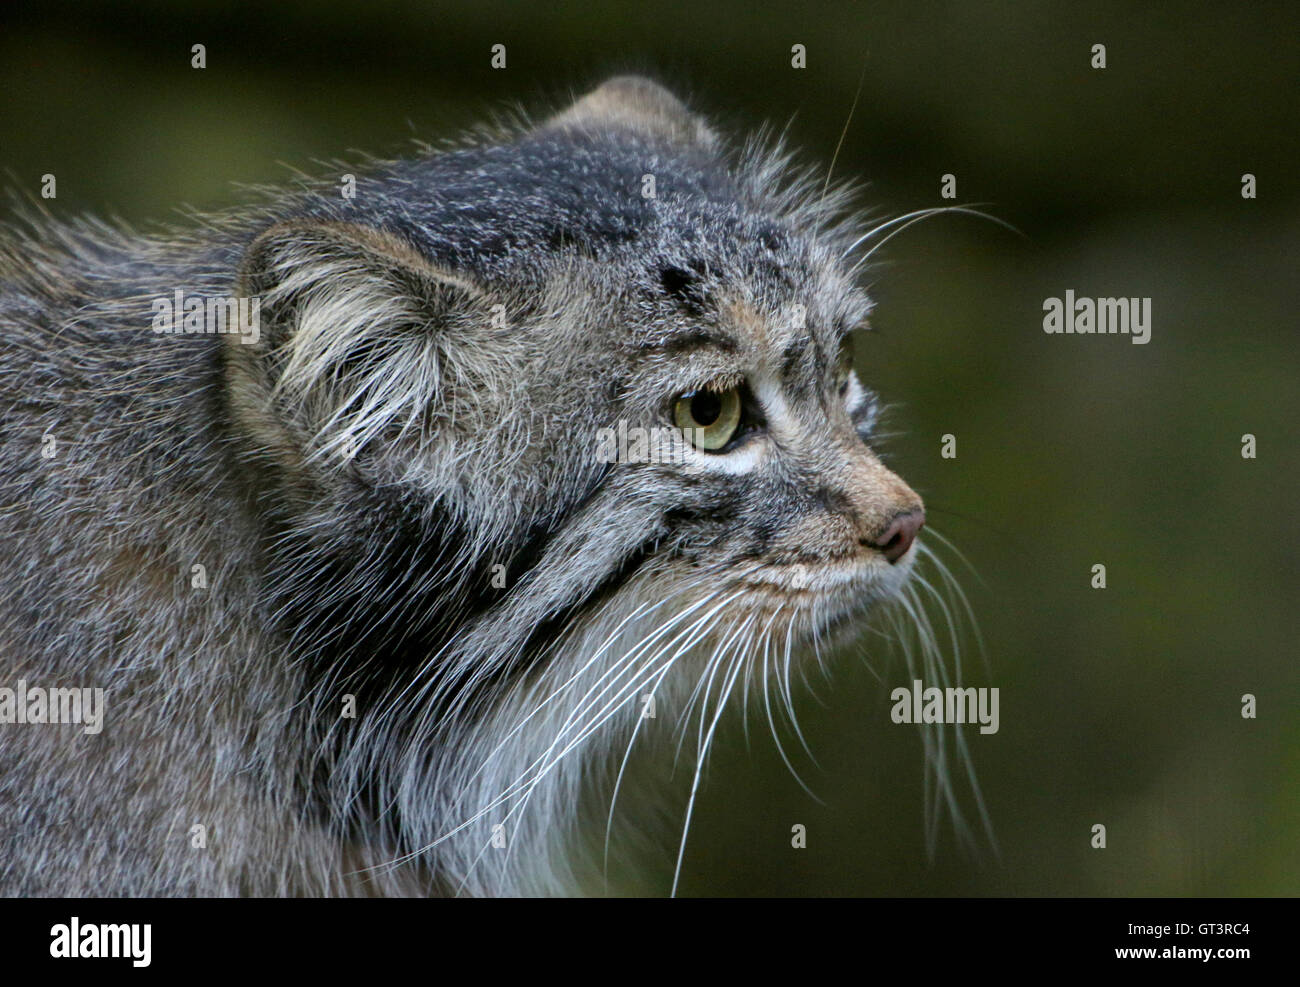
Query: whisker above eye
909, 219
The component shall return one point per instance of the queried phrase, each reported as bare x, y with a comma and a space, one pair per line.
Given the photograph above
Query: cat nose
898, 535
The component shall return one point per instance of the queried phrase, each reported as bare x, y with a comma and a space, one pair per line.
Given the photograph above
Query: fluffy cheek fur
520, 768
495, 809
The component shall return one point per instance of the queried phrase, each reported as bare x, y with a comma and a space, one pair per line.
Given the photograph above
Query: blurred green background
1119, 707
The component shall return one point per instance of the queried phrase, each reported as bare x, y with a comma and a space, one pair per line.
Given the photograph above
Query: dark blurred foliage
1119, 706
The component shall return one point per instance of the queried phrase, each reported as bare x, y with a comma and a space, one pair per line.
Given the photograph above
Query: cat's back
124, 570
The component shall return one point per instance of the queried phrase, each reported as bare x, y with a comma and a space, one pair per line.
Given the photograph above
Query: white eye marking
743, 459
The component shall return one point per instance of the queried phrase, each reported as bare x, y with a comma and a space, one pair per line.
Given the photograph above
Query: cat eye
709, 418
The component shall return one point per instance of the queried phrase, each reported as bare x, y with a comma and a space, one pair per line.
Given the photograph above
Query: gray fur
352, 480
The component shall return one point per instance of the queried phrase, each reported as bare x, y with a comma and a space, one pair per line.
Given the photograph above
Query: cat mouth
849, 581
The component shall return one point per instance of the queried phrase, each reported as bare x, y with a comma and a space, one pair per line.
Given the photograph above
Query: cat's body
394, 496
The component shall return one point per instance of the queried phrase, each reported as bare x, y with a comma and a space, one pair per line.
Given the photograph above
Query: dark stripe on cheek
549, 631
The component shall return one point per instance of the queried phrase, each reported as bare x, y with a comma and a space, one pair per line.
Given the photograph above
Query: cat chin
809, 583
824, 597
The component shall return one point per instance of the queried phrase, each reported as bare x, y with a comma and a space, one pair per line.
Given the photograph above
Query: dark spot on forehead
677, 282
686, 285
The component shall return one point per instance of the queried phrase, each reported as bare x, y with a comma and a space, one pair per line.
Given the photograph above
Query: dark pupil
705, 408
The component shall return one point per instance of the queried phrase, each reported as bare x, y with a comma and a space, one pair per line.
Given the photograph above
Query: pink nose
897, 538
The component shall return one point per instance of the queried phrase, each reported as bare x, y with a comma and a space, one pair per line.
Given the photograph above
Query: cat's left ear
637, 103
359, 335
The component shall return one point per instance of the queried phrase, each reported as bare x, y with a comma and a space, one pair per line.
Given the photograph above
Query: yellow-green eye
709, 418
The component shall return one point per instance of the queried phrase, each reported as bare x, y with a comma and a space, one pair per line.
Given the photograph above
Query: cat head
598, 348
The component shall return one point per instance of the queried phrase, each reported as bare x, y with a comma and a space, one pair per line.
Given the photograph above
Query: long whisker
910, 219
839, 144
527, 783
769, 674
699, 766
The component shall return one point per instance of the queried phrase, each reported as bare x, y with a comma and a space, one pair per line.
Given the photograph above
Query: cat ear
636, 103
359, 336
